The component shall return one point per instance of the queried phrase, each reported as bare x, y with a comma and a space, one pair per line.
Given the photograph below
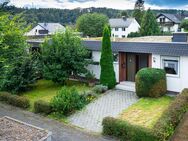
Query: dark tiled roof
120, 22
171, 17
175, 49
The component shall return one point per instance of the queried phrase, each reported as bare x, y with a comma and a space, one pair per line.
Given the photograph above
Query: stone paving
110, 104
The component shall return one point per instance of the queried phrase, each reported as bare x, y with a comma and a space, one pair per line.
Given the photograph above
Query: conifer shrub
107, 76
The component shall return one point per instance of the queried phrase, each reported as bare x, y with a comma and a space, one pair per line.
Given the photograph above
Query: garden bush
88, 96
170, 119
151, 82
14, 100
134, 34
100, 89
125, 131
41, 106
67, 101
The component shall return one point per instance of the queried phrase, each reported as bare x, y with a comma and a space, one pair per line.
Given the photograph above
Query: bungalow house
121, 27
46, 29
168, 22
132, 56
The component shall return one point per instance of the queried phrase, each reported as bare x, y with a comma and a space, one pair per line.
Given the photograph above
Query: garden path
112, 103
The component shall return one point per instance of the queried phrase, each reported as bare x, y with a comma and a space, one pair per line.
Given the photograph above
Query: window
116, 29
171, 65
116, 36
123, 36
162, 20
115, 57
123, 29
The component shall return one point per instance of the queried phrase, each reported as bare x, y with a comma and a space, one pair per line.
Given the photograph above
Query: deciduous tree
63, 56
91, 24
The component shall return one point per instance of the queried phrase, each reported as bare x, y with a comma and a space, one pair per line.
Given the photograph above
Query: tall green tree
184, 24
63, 56
149, 25
138, 15
124, 14
91, 24
17, 70
107, 76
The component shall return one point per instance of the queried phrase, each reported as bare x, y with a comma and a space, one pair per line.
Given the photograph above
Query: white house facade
46, 29
133, 56
121, 27
168, 22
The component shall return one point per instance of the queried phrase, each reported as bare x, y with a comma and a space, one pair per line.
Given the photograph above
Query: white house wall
173, 28
96, 69
174, 83
33, 31
134, 27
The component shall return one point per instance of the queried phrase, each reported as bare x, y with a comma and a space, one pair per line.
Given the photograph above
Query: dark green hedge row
170, 119
162, 130
151, 82
14, 100
125, 131
41, 106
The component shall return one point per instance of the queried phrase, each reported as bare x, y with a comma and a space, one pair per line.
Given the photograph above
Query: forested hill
66, 16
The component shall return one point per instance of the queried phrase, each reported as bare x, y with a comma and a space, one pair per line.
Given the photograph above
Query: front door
131, 67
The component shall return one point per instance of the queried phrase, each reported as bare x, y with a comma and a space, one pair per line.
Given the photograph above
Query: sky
116, 4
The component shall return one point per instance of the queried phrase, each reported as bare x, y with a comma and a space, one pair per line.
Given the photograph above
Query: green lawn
46, 90
146, 111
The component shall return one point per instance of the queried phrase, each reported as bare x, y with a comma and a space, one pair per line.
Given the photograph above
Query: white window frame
172, 58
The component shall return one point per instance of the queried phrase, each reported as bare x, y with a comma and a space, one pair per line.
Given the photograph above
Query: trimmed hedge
125, 131
162, 130
14, 100
170, 119
151, 82
41, 106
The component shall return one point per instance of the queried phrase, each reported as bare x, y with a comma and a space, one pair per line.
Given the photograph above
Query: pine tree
149, 25
107, 76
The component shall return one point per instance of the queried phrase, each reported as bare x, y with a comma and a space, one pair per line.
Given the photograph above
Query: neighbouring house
168, 22
167, 52
121, 27
46, 29
130, 57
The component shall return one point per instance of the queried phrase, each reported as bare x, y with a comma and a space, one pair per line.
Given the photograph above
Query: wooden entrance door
131, 67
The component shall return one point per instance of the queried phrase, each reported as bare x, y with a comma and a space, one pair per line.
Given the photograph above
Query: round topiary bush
151, 82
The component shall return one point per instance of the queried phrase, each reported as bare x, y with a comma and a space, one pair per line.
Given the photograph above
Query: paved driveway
110, 104
60, 131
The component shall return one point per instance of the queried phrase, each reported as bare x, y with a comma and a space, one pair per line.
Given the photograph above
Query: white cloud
62, 4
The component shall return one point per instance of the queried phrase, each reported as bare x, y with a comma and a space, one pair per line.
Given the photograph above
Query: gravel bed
13, 130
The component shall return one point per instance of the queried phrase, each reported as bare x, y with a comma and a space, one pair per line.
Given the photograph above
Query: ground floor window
170, 65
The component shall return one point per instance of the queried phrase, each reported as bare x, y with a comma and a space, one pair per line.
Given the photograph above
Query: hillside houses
46, 29
121, 27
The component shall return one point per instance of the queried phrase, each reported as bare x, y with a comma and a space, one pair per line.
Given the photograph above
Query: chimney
124, 17
180, 37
